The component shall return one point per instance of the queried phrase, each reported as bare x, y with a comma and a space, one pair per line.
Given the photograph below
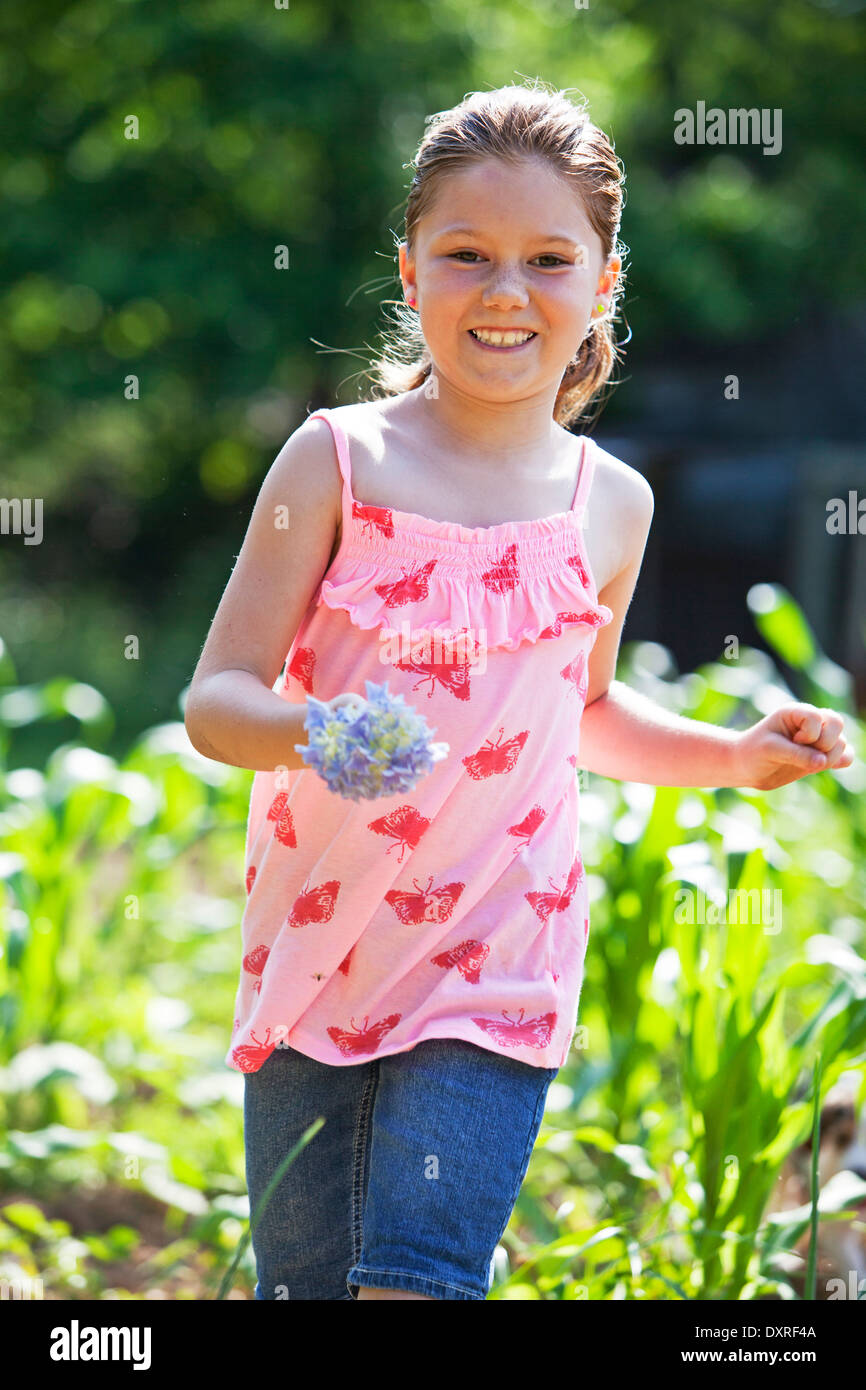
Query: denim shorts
412, 1179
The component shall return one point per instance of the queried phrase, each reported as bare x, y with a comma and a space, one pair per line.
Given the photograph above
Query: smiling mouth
502, 340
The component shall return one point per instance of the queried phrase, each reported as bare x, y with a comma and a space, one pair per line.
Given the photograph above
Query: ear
407, 270
610, 275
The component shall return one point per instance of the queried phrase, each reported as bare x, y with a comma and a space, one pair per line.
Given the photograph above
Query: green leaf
782, 625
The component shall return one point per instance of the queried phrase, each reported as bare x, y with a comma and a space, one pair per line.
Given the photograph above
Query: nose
505, 289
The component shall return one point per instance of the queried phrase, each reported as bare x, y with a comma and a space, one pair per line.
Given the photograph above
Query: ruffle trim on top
474, 607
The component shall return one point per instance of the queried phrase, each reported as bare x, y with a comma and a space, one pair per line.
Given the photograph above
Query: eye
548, 256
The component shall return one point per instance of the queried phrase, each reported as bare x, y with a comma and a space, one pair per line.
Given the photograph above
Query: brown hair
514, 122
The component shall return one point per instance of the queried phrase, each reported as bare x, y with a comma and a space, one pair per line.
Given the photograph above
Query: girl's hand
790, 743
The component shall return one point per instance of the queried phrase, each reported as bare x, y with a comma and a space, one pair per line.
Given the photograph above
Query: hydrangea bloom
366, 751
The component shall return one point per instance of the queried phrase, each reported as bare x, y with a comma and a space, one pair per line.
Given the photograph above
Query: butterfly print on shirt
254, 963
520, 1032
543, 903
284, 830
578, 566
528, 826
362, 1040
301, 667
588, 616
575, 674
251, 878
556, 626
250, 1056
409, 589
427, 904
575, 876
343, 967
503, 574
452, 676
380, 517
404, 825
591, 618
314, 904
495, 757
468, 957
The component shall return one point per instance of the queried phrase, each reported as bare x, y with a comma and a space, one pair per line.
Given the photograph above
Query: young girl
412, 966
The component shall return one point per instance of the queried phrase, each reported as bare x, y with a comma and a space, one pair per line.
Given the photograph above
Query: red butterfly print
591, 618
380, 517
284, 831
428, 904
527, 827
503, 574
236, 1025
575, 876
405, 825
250, 1056
254, 963
301, 667
531, 1032
495, 757
469, 957
555, 976
556, 628
575, 673
543, 904
314, 904
251, 878
365, 1039
572, 758
452, 676
343, 967
578, 567
409, 589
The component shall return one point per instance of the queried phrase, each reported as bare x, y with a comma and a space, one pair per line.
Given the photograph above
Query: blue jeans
411, 1181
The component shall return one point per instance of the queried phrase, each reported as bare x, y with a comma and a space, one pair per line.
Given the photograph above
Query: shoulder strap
342, 444
587, 470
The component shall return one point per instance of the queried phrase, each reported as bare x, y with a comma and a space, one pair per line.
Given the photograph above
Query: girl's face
506, 247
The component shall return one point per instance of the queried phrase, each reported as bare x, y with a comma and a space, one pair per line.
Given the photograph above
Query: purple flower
366, 751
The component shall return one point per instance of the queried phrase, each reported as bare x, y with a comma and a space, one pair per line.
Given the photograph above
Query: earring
411, 302
600, 308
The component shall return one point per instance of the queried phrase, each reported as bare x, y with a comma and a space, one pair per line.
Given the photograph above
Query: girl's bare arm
232, 713
626, 735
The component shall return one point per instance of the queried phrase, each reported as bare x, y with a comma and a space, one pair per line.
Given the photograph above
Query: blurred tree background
260, 127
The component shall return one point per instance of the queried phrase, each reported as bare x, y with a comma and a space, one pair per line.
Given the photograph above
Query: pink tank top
459, 909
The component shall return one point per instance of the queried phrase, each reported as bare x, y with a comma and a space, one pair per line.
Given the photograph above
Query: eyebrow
542, 236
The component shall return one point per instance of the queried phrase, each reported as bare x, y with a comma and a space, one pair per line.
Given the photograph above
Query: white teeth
500, 339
